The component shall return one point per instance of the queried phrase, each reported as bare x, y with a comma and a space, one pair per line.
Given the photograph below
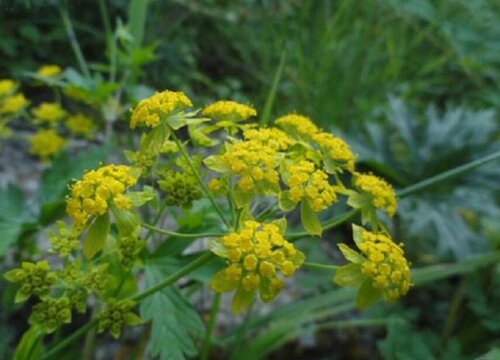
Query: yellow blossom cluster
13, 104
150, 111
382, 195
309, 184
7, 86
256, 254
298, 126
48, 71
92, 195
335, 150
80, 125
50, 113
229, 111
253, 162
385, 265
46, 143
272, 137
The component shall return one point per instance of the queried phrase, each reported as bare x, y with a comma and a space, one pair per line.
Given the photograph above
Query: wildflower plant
252, 177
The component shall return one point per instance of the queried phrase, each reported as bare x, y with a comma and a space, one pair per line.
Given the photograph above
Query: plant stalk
207, 340
177, 234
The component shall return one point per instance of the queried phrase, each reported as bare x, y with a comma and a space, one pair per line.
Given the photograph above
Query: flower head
115, 315
256, 254
306, 183
272, 137
92, 195
35, 279
48, 70
337, 154
46, 143
13, 104
381, 268
297, 126
224, 110
80, 125
150, 111
181, 188
7, 86
380, 193
51, 313
50, 113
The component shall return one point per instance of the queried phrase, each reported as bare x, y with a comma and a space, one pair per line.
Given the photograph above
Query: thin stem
73, 40
155, 221
342, 218
459, 170
321, 266
198, 177
205, 348
70, 339
352, 323
177, 234
175, 276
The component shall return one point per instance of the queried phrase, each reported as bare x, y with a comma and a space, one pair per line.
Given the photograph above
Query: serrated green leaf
309, 219
96, 237
174, 322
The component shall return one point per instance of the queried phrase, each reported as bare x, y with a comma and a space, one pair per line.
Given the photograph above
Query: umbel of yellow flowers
256, 255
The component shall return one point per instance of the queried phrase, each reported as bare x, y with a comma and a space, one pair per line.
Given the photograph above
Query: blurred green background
414, 85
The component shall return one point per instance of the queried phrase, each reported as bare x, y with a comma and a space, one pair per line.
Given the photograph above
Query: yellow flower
381, 193
46, 143
272, 137
224, 110
336, 152
80, 124
253, 162
149, 111
7, 86
256, 254
13, 104
92, 195
381, 268
297, 126
309, 184
50, 113
48, 70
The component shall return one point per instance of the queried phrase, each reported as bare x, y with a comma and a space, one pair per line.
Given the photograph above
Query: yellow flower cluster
311, 185
381, 193
48, 70
92, 195
229, 111
13, 104
46, 143
297, 126
255, 255
335, 150
7, 86
80, 125
253, 162
150, 111
272, 137
385, 265
50, 113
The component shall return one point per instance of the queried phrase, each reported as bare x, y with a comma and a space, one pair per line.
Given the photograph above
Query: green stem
342, 218
198, 177
205, 348
177, 234
155, 221
352, 323
73, 40
70, 339
175, 276
321, 266
459, 170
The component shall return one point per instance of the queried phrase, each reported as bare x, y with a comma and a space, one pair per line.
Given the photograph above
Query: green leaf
349, 275
30, 347
127, 221
357, 231
96, 237
214, 163
242, 300
351, 255
285, 203
367, 295
309, 219
139, 198
174, 322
